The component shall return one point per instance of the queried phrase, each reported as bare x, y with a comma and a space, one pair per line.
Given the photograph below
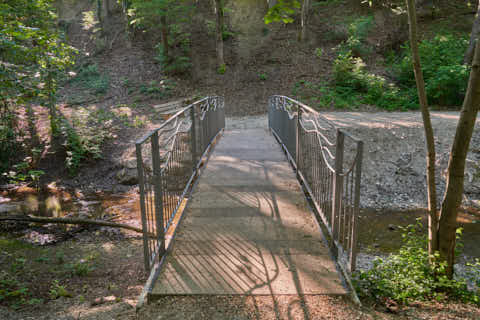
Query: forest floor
101, 269
97, 273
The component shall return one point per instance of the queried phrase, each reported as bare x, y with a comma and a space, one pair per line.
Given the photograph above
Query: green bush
357, 32
446, 77
91, 79
407, 276
368, 88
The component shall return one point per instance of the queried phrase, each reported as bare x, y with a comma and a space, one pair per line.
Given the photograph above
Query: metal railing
328, 161
168, 159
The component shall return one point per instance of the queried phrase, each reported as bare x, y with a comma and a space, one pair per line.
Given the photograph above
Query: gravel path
393, 174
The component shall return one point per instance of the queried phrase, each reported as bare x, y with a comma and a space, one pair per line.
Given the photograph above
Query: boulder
127, 175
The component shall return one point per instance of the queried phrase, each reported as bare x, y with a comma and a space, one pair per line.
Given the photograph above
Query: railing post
356, 206
297, 146
141, 184
337, 183
194, 138
157, 180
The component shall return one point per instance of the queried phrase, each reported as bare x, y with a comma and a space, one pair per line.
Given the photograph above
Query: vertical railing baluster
158, 195
298, 129
138, 148
356, 204
337, 184
194, 138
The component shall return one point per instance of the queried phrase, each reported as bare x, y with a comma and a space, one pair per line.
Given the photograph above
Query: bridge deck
248, 229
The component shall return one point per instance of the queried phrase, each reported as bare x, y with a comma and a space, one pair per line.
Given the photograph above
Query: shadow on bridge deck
247, 229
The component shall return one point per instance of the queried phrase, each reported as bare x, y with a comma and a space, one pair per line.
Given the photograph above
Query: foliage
85, 136
282, 11
90, 78
408, 275
211, 30
446, 77
222, 69
57, 290
162, 89
11, 289
32, 55
372, 89
176, 64
23, 172
353, 85
357, 32
175, 13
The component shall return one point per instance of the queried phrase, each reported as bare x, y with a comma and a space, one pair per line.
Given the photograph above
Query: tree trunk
219, 32
456, 166
303, 22
429, 137
52, 109
106, 12
164, 26
473, 37
99, 12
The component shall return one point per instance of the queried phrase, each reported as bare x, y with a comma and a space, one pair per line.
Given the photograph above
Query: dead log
47, 220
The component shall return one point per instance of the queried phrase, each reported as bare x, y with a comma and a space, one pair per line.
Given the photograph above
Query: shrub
91, 79
357, 32
446, 77
408, 276
349, 72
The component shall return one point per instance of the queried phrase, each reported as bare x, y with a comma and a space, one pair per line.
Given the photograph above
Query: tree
473, 37
220, 27
442, 227
32, 55
153, 13
283, 10
303, 23
429, 137
170, 15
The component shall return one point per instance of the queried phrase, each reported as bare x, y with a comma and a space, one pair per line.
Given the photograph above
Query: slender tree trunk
456, 166
473, 37
303, 30
106, 12
164, 26
100, 12
219, 32
51, 102
429, 137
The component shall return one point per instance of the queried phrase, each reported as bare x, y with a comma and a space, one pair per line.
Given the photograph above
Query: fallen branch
47, 220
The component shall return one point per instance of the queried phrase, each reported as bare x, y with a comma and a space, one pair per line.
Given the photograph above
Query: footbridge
262, 211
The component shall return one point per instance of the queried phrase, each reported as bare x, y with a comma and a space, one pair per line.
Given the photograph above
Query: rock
130, 163
127, 177
391, 227
103, 300
128, 174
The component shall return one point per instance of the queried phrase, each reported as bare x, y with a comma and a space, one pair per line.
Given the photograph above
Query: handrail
164, 180
319, 162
